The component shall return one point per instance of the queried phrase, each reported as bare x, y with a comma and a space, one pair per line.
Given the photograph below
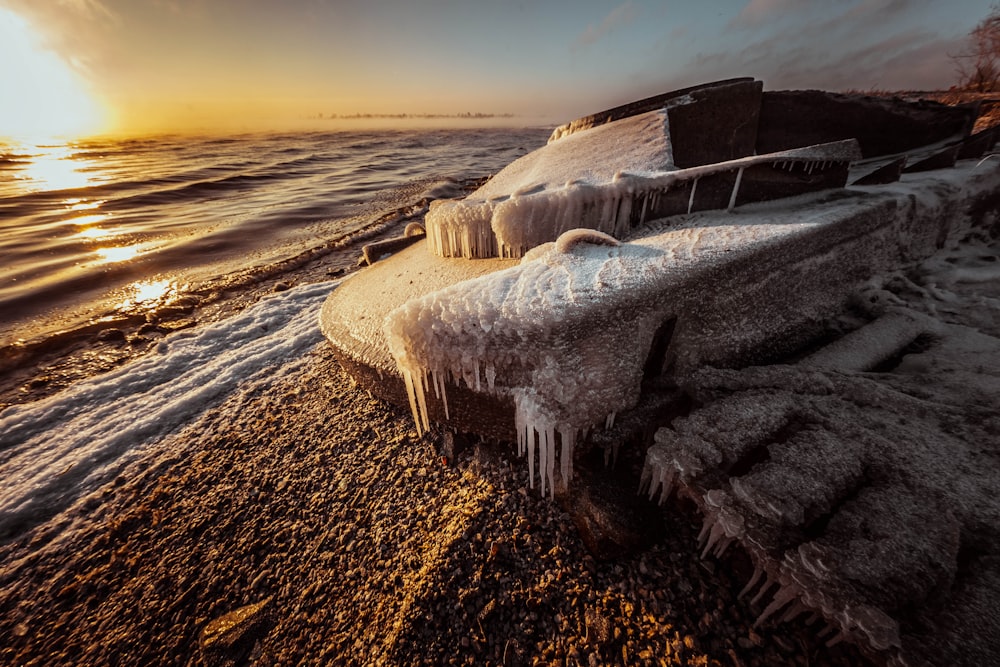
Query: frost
609, 178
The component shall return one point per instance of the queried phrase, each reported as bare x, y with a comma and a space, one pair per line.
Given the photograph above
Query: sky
174, 65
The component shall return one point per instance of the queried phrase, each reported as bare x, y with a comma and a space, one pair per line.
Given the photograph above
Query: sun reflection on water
119, 253
149, 293
56, 168
82, 204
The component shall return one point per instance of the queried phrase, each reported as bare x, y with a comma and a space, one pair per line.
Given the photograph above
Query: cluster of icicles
723, 525
510, 226
530, 423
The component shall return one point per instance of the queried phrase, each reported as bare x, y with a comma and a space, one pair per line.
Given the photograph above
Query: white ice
605, 178
565, 333
56, 450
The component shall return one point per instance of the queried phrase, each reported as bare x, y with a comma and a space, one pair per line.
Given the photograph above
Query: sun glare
43, 96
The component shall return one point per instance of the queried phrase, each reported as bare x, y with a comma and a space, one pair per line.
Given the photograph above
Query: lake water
94, 230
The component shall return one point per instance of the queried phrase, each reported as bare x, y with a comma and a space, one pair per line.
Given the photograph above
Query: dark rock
977, 144
453, 444
373, 252
281, 287
944, 159
613, 521
888, 173
725, 111
111, 336
882, 126
229, 639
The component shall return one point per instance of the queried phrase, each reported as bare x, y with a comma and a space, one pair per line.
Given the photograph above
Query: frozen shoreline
297, 489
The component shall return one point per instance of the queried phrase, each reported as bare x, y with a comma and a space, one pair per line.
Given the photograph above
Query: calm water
94, 229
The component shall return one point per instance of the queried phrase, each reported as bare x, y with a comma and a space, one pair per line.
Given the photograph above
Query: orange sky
174, 65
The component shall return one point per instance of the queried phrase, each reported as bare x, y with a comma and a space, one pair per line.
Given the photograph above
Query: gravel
303, 522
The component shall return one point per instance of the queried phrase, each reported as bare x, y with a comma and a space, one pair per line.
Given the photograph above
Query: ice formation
532, 333
861, 479
60, 448
565, 335
525, 205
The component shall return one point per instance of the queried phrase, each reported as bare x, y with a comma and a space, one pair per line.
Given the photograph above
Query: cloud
619, 16
758, 11
852, 44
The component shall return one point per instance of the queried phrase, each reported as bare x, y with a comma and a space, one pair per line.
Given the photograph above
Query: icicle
757, 573
723, 545
609, 421
530, 434
543, 456
795, 610
491, 375
736, 189
479, 386
717, 533
706, 527
645, 480
840, 636
694, 188
763, 589
411, 395
781, 598
519, 429
444, 397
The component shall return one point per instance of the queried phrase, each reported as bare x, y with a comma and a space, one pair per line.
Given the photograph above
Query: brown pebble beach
303, 522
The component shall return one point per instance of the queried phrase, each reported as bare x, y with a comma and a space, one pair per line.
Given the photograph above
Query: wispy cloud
850, 44
619, 16
758, 11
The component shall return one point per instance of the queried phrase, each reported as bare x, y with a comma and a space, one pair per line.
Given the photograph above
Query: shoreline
366, 549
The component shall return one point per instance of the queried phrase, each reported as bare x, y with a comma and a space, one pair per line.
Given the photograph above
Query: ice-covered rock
862, 497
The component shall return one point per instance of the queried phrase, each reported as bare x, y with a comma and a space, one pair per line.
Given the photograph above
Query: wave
55, 451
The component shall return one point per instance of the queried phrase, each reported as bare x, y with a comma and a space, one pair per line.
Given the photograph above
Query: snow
608, 178
56, 450
564, 334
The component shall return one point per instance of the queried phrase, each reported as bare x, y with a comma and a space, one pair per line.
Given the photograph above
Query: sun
43, 97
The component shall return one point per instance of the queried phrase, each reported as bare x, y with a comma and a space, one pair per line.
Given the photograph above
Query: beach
362, 546
207, 486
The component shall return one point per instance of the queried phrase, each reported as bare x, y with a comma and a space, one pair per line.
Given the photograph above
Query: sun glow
43, 97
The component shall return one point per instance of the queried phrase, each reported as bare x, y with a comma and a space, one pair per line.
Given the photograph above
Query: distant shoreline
407, 116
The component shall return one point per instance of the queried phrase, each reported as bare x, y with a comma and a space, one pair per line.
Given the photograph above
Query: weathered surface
882, 126
373, 252
977, 144
861, 481
737, 91
942, 159
887, 173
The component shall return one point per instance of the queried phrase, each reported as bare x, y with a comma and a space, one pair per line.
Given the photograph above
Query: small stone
111, 336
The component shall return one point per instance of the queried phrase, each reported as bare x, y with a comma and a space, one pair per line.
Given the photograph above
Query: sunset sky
155, 65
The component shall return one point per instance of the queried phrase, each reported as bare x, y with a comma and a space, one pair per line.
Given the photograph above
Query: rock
229, 639
791, 118
111, 336
612, 521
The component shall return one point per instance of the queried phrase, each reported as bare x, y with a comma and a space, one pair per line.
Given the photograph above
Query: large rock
882, 126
